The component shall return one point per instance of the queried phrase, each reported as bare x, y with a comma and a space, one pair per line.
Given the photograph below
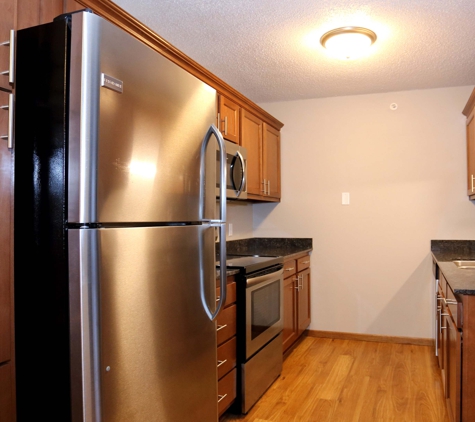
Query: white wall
239, 214
405, 172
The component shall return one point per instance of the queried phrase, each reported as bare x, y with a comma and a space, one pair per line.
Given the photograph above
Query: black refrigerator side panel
41, 256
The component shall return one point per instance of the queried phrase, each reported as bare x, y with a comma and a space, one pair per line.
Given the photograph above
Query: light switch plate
345, 198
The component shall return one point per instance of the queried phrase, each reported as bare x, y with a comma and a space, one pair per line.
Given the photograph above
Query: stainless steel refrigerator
115, 221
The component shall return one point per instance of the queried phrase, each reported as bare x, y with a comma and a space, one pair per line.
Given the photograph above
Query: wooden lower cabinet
297, 310
453, 361
226, 391
7, 410
304, 301
455, 347
226, 353
290, 331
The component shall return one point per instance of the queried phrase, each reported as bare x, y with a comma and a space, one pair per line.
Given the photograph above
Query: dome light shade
349, 42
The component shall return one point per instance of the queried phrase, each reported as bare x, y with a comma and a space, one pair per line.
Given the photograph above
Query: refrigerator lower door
143, 346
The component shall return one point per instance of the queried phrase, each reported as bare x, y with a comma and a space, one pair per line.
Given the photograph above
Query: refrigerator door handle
221, 222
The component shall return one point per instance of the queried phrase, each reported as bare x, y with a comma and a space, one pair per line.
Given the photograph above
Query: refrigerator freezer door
154, 345
137, 122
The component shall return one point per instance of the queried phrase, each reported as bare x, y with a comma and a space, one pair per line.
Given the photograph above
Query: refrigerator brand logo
112, 83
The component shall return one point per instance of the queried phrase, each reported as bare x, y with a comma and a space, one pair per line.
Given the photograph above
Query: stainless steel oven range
259, 325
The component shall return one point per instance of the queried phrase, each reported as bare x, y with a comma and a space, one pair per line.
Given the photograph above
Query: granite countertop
287, 247
461, 280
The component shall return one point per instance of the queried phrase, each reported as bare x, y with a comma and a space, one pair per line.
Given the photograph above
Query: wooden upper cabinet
469, 112
271, 160
71, 6
228, 119
20, 14
471, 154
263, 157
251, 139
7, 22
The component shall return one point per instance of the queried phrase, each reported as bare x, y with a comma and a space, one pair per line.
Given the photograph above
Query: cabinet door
439, 331
471, 154
229, 119
271, 160
453, 370
7, 23
304, 301
290, 332
251, 139
7, 411
71, 6
5, 236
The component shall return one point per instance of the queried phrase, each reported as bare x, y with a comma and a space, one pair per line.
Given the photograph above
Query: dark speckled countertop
287, 247
461, 280
270, 246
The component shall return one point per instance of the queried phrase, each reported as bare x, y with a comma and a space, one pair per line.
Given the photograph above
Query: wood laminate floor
353, 381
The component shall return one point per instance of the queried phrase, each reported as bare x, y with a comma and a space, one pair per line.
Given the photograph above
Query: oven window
265, 308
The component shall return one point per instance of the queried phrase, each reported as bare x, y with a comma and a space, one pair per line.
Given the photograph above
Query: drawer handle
305, 262
220, 327
290, 269
221, 362
221, 397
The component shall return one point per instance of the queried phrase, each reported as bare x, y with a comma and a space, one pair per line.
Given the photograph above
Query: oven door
264, 310
236, 160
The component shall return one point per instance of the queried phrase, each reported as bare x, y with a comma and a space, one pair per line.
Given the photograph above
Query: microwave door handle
243, 181
221, 222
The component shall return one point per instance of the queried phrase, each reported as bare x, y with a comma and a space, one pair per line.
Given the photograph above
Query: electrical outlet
230, 229
345, 198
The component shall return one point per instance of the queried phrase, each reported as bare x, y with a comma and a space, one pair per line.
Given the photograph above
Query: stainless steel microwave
236, 171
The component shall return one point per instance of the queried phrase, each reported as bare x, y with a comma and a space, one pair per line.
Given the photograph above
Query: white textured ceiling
262, 48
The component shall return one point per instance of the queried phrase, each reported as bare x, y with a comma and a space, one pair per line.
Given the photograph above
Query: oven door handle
263, 278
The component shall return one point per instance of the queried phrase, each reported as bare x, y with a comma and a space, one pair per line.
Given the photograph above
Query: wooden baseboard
371, 337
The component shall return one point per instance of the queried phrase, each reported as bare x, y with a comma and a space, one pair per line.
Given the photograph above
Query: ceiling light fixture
349, 42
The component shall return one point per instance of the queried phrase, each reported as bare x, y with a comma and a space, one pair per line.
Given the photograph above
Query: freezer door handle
221, 222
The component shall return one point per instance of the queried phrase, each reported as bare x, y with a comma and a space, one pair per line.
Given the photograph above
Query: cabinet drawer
455, 308
226, 324
290, 267
230, 293
226, 357
303, 263
226, 391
